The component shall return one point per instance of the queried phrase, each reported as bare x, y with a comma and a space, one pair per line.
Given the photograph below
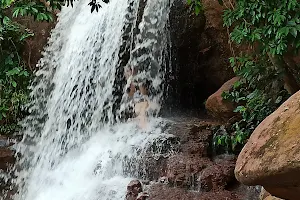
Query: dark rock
182, 170
3, 141
142, 196
152, 168
6, 141
163, 192
135, 191
217, 176
6, 158
200, 56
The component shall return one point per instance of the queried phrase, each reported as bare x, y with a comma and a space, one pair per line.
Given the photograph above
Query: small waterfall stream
74, 145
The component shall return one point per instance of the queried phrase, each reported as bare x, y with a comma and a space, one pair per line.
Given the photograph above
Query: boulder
134, 188
217, 176
264, 195
217, 106
271, 198
182, 170
271, 157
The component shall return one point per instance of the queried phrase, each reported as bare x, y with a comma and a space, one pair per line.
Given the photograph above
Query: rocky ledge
192, 171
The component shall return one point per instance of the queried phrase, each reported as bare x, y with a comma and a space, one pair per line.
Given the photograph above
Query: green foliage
271, 28
14, 75
273, 24
14, 78
195, 5
255, 97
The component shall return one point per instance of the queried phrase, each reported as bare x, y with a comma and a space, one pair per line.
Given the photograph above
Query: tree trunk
290, 82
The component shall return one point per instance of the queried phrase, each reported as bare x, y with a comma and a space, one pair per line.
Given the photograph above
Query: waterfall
76, 143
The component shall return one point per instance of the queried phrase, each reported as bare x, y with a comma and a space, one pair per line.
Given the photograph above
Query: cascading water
74, 146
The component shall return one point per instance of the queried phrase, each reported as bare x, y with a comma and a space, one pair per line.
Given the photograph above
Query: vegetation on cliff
269, 30
14, 72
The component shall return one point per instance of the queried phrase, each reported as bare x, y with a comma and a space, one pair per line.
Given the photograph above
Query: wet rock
152, 168
6, 158
200, 53
6, 141
164, 192
217, 176
271, 156
133, 190
3, 141
217, 106
164, 145
142, 196
182, 170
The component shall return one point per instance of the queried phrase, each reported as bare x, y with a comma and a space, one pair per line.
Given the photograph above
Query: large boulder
135, 191
217, 106
217, 176
271, 157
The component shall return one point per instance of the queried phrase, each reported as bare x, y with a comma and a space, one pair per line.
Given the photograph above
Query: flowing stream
77, 144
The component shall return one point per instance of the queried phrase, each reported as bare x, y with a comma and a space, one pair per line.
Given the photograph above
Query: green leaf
25, 73
278, 100
16, 12
4, 114
26, 35
293, 31
219, 141
14, 84
239, 138
13, 72
197, 9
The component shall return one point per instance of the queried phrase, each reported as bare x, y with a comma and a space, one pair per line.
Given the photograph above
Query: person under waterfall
139, 94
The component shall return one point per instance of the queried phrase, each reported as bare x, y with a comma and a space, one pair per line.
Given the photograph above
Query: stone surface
134, 188
6, 158
271, 157
271, 198
35, 45
263, 194
217, 106
183, 170
217, 176
200, 55
190, 172
163, 192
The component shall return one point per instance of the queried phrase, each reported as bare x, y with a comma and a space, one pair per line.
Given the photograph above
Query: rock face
271, 157
135, 191
6, 158
190, 168
6, 154
217, 106
217, 176
200, 54
35, 45
163, 192
264, 195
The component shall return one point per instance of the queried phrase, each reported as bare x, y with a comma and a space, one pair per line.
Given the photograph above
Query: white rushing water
74, 146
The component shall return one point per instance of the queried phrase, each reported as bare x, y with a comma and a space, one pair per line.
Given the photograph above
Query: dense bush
270, 31
14, 74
